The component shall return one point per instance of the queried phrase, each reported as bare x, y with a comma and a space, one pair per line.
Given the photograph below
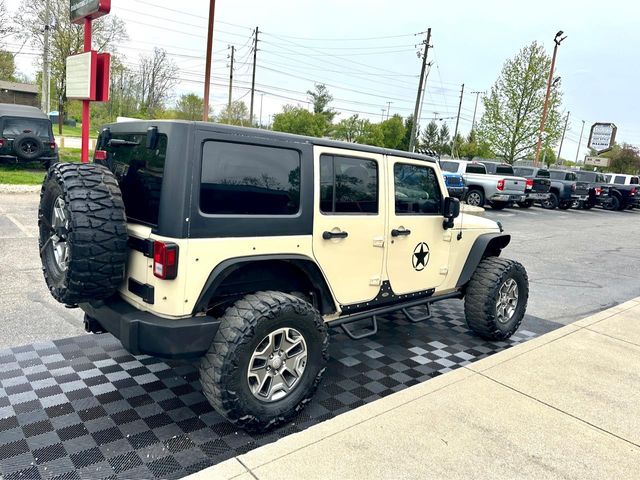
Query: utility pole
455, 134
233, 51
579, 142
45, 61
566, 122
388, 109
412, 139
557, 40
253, 78
261, 100
475, 109
207, 74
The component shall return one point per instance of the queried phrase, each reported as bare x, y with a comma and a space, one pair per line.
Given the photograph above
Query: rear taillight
52, 145
634, 191
573, 187
1, 143
529, 183
598, 191
165, 260
500, 184
100, 155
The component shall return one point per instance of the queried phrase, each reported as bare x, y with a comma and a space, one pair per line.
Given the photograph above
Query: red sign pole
86, 109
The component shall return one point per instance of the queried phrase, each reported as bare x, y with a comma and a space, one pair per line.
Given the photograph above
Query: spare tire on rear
83, 233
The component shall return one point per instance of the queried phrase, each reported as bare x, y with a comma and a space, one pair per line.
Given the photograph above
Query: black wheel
526, 204
28, 147
266, 361
475, 198
550, 203
614, 204
565, 206
496, 298
499, 205
83, 233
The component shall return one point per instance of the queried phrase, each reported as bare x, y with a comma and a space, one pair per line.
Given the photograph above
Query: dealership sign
603, 137
81, 9
597, 161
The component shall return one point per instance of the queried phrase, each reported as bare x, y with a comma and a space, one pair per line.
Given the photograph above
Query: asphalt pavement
579, 262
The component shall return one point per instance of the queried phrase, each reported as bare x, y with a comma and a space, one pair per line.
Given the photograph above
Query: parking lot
578, 262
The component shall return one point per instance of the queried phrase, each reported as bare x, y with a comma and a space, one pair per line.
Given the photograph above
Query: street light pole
557, 40
580, 142
566, 122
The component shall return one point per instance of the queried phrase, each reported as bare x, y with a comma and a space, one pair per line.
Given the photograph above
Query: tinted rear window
619, 180
449, 166
242, 179
635, 181
523, 172
139, 172
558, 175
543, 174
13, 127
504, 170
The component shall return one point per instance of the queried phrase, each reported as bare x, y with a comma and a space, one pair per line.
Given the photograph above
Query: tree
514, 106
624, 159
471, 147
238, 114
406, 140
300, 121
392, 132
444, 139
7, 66
321, 98
359, 130
429, 138
66, 39
190, 107
157, 77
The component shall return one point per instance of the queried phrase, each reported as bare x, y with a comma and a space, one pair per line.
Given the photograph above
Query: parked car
455, 185
622, 179
622, 182
536, 190
26, 135
242, 252
498, 191
568, 191
612, 197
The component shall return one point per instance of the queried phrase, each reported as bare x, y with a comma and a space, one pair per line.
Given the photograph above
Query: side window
634, 181
619, 180
348, 185
417, 191
241, 179
476, 168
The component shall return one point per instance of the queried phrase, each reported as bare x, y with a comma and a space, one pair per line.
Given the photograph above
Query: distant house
19, 93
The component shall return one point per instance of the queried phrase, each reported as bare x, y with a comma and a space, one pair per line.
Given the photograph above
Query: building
19, 93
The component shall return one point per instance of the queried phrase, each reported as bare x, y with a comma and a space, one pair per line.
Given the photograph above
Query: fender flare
304, 263
488, 244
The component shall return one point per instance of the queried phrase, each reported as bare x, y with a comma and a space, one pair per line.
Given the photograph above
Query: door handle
400, 233
330, 235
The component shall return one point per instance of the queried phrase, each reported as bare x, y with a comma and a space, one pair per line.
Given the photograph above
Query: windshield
449, 166
17, 126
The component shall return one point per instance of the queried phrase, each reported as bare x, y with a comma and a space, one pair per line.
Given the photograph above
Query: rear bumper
538, 197
145, 333
457, 192
503, 197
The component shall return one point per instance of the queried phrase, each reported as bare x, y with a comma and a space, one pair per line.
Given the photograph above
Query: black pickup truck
611, 197
566, 191
536, 190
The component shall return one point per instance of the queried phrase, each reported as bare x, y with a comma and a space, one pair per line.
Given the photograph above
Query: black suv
26, 135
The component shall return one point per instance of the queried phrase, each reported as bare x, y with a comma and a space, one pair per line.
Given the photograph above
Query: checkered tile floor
84, 408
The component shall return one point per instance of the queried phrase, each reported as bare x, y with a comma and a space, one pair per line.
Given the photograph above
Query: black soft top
256, 133
23, 111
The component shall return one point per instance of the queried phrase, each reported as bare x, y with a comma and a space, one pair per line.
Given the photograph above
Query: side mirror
152, 138
451, 210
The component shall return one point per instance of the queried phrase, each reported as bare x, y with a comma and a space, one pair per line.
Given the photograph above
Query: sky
365, 51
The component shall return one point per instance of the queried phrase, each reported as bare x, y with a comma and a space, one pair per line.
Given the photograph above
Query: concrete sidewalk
564, 405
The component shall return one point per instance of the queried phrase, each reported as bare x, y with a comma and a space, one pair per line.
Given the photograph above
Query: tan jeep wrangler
241, 246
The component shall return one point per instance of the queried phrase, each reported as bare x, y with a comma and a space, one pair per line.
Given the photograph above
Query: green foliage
300, 121
238, 114
406, 140
548, 156
392, 132
321, 98
7, 66
429, 138
624, 159
444, 139
471, 148
359, 130
513, 108
190, 107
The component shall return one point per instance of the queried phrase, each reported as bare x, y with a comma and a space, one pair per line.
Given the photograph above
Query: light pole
580, 142
557, 40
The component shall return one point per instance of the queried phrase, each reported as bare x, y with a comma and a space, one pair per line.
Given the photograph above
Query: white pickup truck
498, 191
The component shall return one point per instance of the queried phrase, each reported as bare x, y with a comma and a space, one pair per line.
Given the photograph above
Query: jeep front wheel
496, 298
266, 361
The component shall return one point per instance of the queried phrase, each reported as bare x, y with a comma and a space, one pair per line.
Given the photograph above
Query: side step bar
367, 333
412, 318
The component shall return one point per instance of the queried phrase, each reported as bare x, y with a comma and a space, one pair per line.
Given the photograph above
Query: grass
32, 173
69, 131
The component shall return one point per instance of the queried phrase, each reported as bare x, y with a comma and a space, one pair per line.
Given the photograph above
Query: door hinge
378, 242
375, 281
444, 270
446, 236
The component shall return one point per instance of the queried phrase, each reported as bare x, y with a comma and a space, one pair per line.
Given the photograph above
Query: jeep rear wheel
496, 298
266, 360
83, 233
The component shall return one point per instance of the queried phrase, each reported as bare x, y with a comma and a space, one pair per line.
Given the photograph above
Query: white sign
603, 136
597, 161
81, 70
